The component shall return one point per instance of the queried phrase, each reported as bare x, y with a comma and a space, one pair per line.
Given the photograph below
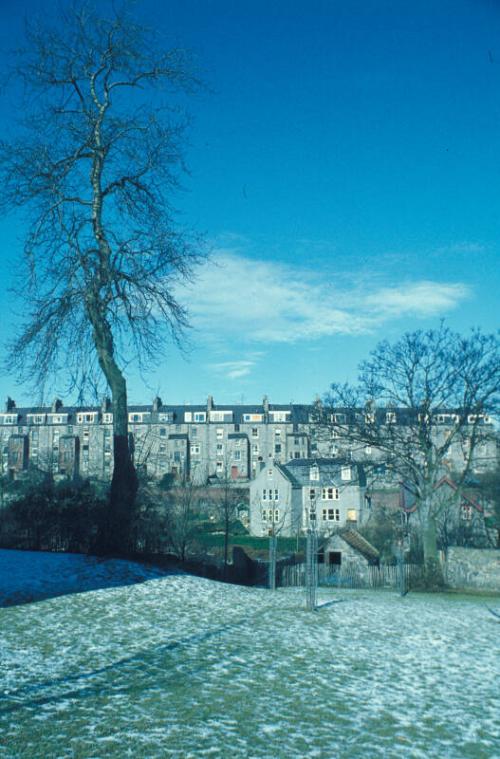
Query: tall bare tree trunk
116, 535
432, 567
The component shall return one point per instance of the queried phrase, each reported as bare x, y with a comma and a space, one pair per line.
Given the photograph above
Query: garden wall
473, 568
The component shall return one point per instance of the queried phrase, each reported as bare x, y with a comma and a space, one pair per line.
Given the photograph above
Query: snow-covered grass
180, 666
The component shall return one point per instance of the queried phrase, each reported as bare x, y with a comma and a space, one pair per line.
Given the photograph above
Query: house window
276, 515
219, 433
264, 515
85, 418
296, 455
107, 418
264, 495
352, 515
314, 473
195, 450
277, 433
199, 416
312, 515
466, 512
345, 473
330, 494
390, 417
177, 457
255, 450
312, 494
237, 455
220, 448
219, 467
276, 495
277, 448
255, 432
163, 432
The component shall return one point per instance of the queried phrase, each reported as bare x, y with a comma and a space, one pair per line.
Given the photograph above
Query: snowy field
177, 666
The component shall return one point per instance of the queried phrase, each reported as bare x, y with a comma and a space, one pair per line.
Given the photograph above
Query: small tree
225, 497
94, 163
416, 402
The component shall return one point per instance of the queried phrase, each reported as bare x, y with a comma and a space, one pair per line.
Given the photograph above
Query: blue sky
345, 169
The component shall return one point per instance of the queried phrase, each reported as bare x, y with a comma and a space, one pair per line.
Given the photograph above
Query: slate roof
359, 543
329, 471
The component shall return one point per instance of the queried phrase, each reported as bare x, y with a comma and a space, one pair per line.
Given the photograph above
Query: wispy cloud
267, 301
233, 369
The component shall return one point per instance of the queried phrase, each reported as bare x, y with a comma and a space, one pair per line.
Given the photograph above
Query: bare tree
94, 164
183, 504
420, 402
225, 496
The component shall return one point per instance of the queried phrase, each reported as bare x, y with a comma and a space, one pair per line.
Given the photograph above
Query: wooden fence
384, 576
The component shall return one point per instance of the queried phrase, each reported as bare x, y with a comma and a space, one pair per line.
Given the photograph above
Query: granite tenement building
198, 441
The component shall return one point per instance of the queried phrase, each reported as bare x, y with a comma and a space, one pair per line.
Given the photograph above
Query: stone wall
473, 568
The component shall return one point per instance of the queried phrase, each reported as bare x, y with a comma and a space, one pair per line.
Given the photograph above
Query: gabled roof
408, 501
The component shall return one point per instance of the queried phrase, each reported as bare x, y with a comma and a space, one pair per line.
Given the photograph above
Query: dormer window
314, 473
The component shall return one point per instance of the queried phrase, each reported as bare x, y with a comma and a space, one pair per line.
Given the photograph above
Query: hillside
178, 666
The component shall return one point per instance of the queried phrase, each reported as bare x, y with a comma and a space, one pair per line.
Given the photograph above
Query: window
165, 417
466, 512
330, 494
221, 416
88, 418
237, 455
33, 418
314, 473
199, 416
276, 515
352, 515
219, 432
194, 432
330, 515
195, 449
296, 441
255, 432
296, 455
338, 418
255, 450
269, 472
264, 494
277, 448
312, 515
11, 418
345, 473
220, 448
252, 417
369, 418
390, 417
264, 515
162, 448
163, 432
135, 418
279, 416
312, 494
219, 467
177, 457
277, 433
276, 494
368, 450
